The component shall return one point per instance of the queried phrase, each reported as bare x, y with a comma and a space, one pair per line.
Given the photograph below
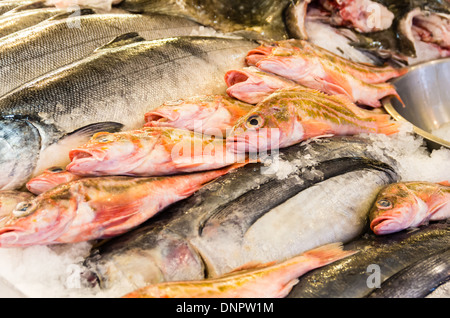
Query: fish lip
157, 118
10, 235
234, 77
240, 144
86, 154
385, 225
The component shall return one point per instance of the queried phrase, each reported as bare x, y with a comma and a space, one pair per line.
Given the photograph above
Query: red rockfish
49, 179
292, 115
406, 205
315, 69
94, 208
272, 280
207, 114
150, 151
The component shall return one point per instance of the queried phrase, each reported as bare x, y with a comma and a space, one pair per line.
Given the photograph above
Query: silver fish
119, 83
248, 215
34, 51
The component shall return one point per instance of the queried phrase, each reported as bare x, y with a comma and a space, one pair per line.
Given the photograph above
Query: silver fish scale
34, 51
121, 84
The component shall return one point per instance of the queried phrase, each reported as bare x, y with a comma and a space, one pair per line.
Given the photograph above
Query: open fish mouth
385, 225
86, 155
235, 77
155, 118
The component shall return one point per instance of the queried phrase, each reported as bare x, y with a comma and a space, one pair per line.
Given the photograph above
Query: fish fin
445, 183
315, 128
72, 14
250, 266
121, 40
328, 253
332, 88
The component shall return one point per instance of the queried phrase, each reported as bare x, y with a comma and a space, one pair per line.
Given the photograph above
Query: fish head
20, 146
395, 209
267, 127
49, 178
37, 221
106, 153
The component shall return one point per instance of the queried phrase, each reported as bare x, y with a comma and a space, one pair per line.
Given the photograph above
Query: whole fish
118, 83
251, 85
254, 18
207, 114
151, 151
405, 205
9, 200
35, 51
292, 115
310, 69
231, 221
252, 281
94, 208
49, 179
379, 258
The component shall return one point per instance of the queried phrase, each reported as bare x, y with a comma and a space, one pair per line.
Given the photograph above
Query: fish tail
385, 125
328, 253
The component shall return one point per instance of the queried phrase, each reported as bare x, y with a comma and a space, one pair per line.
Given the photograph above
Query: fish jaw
49, 179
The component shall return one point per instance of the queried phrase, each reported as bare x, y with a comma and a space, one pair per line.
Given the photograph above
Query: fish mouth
156, 118
241, 144
235, 77
9, 236
86, 154
385, 225
255, 55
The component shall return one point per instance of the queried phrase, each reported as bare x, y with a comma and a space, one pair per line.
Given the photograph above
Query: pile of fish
202, 150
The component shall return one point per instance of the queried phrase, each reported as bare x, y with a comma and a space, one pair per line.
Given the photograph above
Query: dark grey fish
257, 18
119, 83
417, 280
248, 215
378, 260
34, 51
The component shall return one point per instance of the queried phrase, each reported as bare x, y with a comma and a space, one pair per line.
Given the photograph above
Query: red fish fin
315, 128
332, 88
445, 183
328, 253
250, 266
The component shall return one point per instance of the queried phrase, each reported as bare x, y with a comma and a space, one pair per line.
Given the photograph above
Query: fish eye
384, 204
23, 209
255, 121
104, 137
55, 169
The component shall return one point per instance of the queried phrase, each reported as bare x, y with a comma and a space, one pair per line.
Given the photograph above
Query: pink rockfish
94, 208
292, 115
406, 205
49, 179
207, 114
150, 151
271, 280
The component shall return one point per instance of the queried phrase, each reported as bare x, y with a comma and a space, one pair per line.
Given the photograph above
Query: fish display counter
208, 149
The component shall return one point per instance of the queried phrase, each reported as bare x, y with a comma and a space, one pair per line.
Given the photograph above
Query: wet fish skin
6, 6
174, 244
32, 52
150, 151
133, 86
207, 114
291, 115
405, 205
252, 281
49, 179
392, 253
93, 208
254, 19
30, 145
9, 200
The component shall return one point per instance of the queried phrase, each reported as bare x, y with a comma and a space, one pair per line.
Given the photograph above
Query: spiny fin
121, 40
72, 14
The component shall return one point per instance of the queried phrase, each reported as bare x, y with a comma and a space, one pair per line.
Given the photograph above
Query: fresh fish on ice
49, 179
405, 205
292, 115
150, 151
252, 281
207, 114
118, 83
231, 221
93, 208
379, 258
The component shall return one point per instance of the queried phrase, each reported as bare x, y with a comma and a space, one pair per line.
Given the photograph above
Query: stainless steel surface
425, 90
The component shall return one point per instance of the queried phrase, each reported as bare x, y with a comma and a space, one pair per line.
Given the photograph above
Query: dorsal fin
72, 14
445, 183
121, 40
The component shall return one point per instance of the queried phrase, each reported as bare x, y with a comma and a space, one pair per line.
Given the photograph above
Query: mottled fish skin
253, 281
32, 52
118, 84
406, 205
183, 242
357, 276
254, 18
94, 208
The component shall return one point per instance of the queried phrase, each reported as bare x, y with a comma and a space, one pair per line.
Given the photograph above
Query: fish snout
385, 224
160, 118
